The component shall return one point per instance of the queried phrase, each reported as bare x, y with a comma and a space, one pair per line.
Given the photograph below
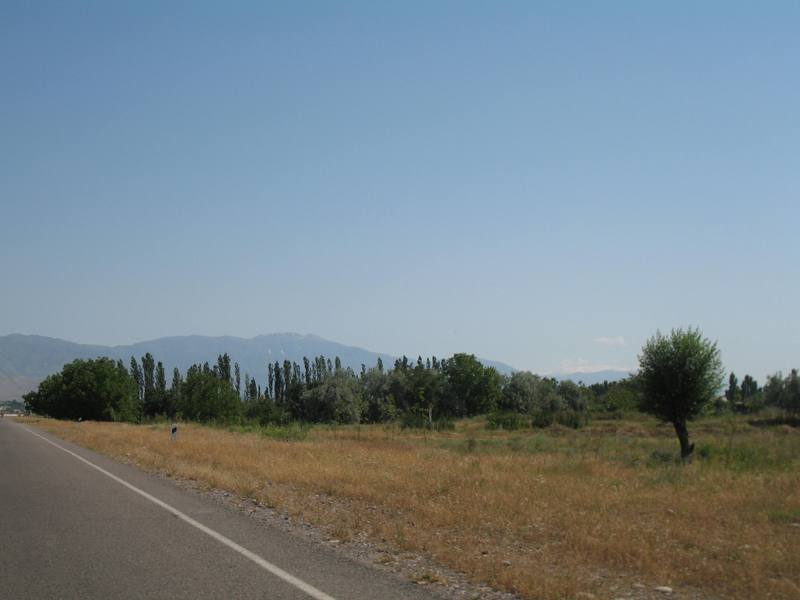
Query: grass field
547, 513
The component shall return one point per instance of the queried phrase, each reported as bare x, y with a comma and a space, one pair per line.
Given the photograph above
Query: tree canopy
98, 390
679, 374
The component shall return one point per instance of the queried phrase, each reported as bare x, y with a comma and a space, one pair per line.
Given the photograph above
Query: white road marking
264, 564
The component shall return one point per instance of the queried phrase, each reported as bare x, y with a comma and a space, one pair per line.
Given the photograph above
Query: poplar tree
733, 393
749, 387
237, 379
138, 378
161, 387
270, 375
148, 376
174, 396
279, 398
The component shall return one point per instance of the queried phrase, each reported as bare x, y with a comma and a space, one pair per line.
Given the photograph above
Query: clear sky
544, 184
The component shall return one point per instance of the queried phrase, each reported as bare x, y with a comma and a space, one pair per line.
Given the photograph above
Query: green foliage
621, 400
733, 394
379, 403
419, 418
680, 375
572, 418
510, 421
527, 393
749, 387
544, 401
423, 394
97, 390
471, 388
286, 432
204, 396
266, 412
150, 403
784, 393
336, 400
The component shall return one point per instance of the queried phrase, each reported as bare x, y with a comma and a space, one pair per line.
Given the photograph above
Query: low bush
510, 421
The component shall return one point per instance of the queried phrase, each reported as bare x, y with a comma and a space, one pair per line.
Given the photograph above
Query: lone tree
679, 374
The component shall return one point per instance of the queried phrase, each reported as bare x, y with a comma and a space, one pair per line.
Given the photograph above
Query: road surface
76, 524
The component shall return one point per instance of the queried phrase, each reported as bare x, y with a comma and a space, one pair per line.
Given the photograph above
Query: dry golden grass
543, 514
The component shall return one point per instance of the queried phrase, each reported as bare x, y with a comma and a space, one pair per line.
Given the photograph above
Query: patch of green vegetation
288, 433
510, 421
783, 516
722, 443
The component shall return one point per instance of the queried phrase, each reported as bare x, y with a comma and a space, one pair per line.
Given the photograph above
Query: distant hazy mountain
12, 387
592, 378
26, 359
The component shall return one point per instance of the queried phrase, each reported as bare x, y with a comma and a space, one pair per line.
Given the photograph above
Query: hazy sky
533, 182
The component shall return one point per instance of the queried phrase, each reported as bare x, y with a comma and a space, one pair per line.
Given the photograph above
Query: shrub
572, 418
417, 418
509, 421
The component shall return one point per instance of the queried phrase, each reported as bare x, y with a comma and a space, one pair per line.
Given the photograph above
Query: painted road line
261, 562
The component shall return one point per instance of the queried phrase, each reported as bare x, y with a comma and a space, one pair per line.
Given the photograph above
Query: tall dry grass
546, 515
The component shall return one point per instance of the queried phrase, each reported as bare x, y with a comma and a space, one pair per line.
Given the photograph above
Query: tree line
422, 393
680, 376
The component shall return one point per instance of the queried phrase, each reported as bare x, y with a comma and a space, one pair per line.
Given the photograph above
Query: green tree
733, 394
530, 394
207, 397
138, 376
224, 367
279, 385
791, 402
149, 400
337, 399
471, 388
784, 393
161, 389
237, 379
749, 387
174, 394
378, 400
620, 399
97, 390
427, 389
679, 375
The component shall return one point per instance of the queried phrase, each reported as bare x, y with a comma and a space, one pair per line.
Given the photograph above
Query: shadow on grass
775, 421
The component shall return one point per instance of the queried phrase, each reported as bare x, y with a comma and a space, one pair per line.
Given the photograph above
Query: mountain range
27, 359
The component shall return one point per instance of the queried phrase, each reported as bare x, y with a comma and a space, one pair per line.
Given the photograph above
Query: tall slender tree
149, 383
733, 393
279, 396
138, 378
174, 396
161, 388
237, 375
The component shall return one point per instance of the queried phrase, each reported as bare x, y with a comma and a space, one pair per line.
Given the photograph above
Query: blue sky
533, 182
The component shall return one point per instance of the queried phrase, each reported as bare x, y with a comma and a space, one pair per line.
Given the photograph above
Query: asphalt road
70, 530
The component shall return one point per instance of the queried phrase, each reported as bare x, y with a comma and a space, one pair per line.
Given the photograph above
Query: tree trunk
683, 438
